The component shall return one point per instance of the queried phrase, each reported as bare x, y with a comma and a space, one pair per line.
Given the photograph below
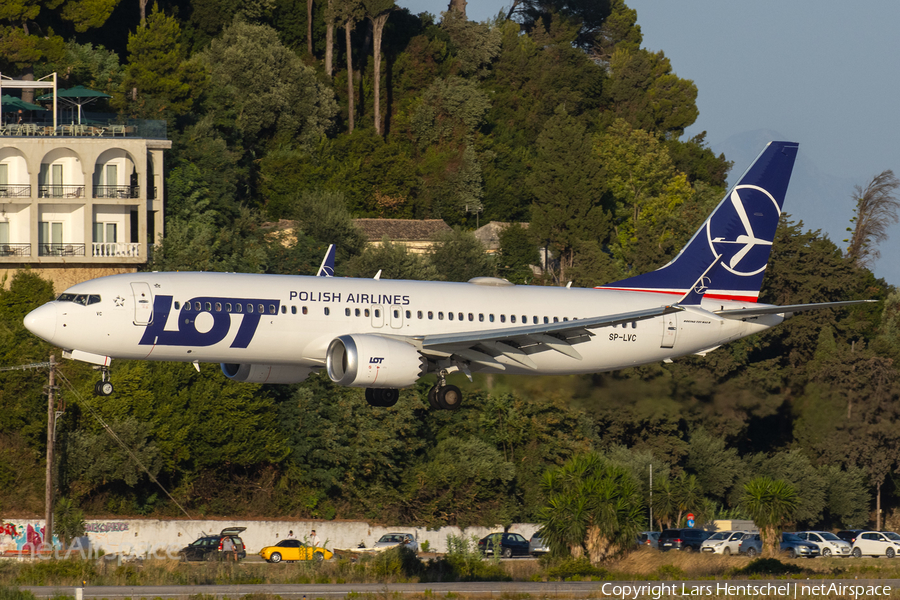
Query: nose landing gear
104, 387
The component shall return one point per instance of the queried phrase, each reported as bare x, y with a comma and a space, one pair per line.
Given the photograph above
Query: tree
770, 503
876, 209
378, 12
592, 508
459, 256
518, 252
349, 12
566, 183
68, 521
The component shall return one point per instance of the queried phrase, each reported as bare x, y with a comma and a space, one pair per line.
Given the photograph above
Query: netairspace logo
790, 590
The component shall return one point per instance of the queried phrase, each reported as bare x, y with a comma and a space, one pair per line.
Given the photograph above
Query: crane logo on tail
730, 231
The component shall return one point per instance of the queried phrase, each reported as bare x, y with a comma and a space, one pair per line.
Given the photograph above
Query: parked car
648, 539
723, 542
536, 545
509, 544
875, 543
688, 540
209, 547
751, 545
291, 550
849, 535
828, 543
395, 539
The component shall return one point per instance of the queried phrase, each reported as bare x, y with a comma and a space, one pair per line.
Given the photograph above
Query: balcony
15, 249
60, 191
15, 191
117, 191
61, 250
116, 250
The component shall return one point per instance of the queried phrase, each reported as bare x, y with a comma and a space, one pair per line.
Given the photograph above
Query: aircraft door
143, 303
396, 316
377, 316
670, 331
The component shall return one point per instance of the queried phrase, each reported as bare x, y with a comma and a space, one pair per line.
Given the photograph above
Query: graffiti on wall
28, 537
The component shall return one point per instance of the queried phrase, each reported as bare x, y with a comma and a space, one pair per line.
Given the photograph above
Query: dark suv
688, 540
850, 535
209, 547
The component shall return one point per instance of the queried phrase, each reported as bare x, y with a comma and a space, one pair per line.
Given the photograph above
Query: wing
518, 343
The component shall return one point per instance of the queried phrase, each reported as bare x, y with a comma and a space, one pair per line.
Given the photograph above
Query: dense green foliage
556, 117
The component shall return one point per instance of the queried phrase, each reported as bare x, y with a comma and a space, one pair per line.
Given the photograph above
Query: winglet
327, 267
702, 285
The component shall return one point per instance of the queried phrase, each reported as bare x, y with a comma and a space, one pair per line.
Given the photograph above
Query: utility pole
51, 438
651, 497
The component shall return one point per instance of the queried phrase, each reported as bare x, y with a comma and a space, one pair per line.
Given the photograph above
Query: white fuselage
290, 320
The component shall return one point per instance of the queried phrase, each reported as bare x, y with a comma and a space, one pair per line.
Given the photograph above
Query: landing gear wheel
382, 397
449, 397
389, 397
105, 388
432, 398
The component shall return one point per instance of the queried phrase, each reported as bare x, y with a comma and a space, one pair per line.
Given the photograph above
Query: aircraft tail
740, 229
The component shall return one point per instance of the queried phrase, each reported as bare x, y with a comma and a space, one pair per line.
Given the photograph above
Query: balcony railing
60, 191
116, 249
15, 191
117, 191
61, 249
15, 249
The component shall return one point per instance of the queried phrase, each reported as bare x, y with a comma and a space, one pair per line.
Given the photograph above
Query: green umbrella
76, 96
13, 103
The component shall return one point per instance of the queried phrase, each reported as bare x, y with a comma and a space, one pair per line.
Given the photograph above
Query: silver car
828, 543
397, 539
536, 545
723, 542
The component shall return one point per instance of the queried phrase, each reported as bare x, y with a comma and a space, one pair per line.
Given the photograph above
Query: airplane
383, 335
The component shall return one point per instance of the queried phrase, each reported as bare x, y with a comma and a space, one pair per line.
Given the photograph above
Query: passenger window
207, 306
177, 305
409, 314
491, 318
460, 316
512, 318
357, 312
237, 307
249, 309
440, 315
273, 310
480, 317
471, 317
430, 315
346, 312
218, 307
93, 299
197, 306
366, 313
503, 318
283, 309
327, 311
262, 309
546, 320
305, 310
419, 314
535, 320
377, 313
293, 310
556, 319
565, 319
450, 316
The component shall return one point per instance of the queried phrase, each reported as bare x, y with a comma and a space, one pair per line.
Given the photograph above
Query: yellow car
294, 550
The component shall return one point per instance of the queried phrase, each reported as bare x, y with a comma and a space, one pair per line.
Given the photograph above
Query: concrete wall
137, 537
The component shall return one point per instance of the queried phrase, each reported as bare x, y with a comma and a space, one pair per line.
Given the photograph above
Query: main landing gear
382, 397
443, 396
104, 387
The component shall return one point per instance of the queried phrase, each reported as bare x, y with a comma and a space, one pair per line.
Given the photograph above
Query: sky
819, 72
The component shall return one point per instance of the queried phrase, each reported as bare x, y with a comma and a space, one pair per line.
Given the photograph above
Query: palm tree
770, 503
593, 508
665, 504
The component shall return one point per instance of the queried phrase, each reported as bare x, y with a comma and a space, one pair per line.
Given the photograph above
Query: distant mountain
821, 200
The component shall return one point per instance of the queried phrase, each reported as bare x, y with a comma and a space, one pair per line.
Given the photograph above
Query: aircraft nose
42, 322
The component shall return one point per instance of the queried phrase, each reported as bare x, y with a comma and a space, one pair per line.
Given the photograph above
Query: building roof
401, 230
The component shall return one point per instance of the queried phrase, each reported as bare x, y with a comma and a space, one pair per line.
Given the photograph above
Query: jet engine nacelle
373, 361
266, 373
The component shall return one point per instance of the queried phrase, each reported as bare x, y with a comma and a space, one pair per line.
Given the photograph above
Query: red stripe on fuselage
682, 293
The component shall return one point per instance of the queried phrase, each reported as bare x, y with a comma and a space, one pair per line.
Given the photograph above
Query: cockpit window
83, 299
